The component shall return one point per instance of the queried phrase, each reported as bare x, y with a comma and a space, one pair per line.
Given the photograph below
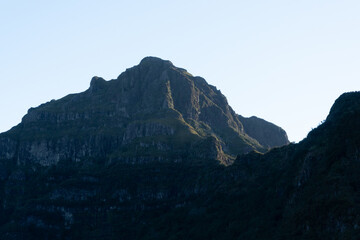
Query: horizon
283, 62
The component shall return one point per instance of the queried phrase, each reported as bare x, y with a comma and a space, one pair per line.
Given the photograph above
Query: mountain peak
346, 104
97, 83
154, 61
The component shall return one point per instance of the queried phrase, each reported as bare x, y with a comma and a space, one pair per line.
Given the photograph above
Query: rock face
267, 134
153, 111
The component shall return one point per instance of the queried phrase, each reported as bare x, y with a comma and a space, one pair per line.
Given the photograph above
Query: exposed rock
267, 134
150, 129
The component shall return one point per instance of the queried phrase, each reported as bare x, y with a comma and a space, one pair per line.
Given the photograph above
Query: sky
283, 61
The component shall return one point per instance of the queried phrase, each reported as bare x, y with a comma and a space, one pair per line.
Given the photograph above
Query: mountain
151, 112
308, 190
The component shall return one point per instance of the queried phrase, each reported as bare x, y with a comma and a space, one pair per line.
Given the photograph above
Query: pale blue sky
284, 61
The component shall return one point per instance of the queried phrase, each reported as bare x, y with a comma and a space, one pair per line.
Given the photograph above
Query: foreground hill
151, 112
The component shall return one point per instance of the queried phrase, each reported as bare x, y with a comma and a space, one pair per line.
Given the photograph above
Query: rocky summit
151, 112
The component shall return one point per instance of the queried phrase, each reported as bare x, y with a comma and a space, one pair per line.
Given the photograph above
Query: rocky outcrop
267, 134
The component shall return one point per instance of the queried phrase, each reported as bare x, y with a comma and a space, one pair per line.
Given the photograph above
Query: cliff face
267, 134
153, 111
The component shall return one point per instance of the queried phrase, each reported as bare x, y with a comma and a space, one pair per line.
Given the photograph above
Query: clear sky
284, 61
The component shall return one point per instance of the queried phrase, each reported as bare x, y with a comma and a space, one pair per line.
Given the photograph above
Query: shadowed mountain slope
311, 188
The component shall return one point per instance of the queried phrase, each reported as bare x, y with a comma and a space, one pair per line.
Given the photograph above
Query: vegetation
308, 190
